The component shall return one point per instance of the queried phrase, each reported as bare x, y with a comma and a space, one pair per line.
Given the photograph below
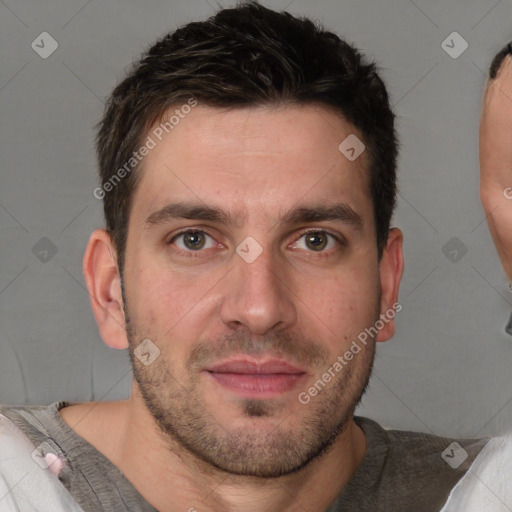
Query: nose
258, 295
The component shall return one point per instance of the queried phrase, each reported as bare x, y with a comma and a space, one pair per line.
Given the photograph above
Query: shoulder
414, 448
26, 478
16, 417
416, 468
432, 457
487, 485
33, 420
24, 410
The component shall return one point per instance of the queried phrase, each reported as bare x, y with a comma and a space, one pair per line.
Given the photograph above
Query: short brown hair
247, 56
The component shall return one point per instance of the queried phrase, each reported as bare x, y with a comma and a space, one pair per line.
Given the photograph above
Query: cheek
150, 299
169, 309
345, 304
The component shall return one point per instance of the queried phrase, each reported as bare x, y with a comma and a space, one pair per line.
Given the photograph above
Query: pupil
318, 244
192, 240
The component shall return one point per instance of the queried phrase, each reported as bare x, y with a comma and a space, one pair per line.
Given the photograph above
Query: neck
171, 478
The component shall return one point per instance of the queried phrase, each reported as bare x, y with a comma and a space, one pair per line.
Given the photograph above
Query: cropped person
487, 486
248, 175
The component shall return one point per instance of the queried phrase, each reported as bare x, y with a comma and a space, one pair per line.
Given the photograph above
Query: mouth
256, 379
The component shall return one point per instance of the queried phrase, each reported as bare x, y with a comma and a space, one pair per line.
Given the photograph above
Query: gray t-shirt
401, 472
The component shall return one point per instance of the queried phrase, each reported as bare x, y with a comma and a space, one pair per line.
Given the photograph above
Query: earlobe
104, 284
391, 269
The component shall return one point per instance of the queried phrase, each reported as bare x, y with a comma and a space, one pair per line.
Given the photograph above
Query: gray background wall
446, 371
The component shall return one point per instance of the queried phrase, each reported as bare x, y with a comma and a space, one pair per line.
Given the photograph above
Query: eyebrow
304, 214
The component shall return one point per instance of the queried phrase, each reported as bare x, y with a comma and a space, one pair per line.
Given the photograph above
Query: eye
192, 240
317, 241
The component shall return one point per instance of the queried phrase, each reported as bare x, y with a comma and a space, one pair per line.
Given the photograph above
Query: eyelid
340, 239
190, 230
338, 236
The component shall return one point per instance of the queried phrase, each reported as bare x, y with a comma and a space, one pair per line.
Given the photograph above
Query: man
247, 170
496, 155
487, 485
496, 158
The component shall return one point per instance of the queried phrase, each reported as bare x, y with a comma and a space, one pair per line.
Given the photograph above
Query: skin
496, 161
293, 301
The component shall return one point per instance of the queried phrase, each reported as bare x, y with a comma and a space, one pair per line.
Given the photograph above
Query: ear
391, 269
104, 284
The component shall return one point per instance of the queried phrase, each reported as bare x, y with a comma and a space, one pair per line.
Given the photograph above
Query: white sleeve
487, 485
25, 484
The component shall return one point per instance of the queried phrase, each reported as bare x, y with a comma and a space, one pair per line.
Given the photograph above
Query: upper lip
251, 366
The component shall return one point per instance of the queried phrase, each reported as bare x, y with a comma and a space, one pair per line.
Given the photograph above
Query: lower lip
258, 385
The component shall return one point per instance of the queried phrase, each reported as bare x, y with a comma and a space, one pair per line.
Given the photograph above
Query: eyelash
194, 254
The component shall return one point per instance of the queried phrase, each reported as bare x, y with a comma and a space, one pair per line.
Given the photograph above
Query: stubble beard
255, 449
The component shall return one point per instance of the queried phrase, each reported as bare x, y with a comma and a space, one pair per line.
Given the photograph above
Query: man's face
226, 320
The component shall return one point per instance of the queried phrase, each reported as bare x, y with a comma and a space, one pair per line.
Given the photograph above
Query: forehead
251, 156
